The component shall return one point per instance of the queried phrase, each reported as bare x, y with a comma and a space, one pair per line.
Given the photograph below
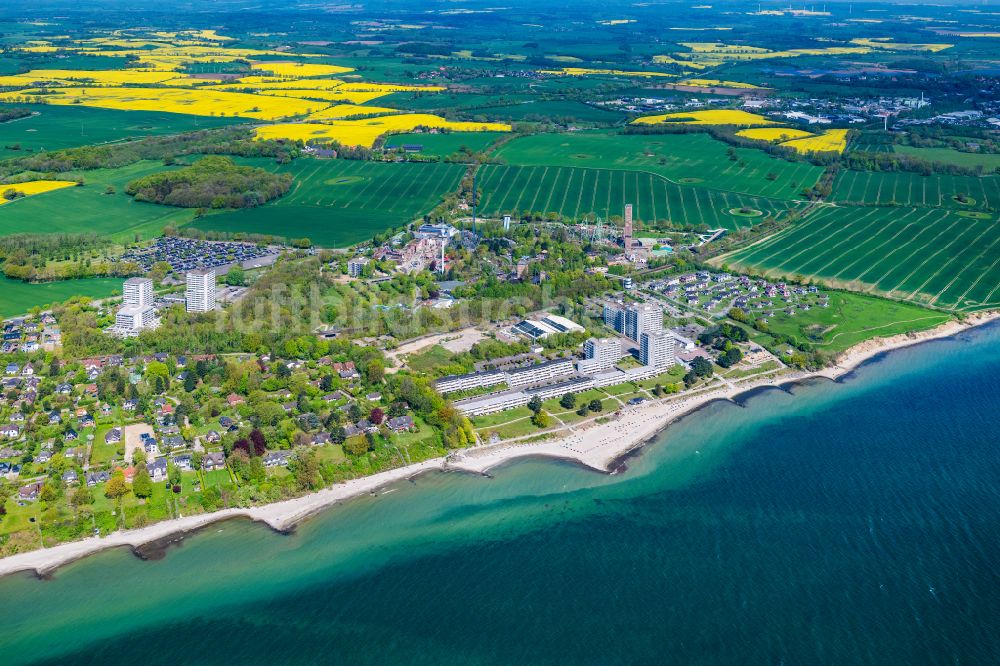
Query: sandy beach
596, 445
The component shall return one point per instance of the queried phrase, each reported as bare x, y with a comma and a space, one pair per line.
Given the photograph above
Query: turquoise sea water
856, 522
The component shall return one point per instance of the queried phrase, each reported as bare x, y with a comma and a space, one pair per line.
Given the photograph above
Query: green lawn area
101, 452
218, 478
330, 453
853, 318
620, 389
675, 374
18, 517
516, 429
17, 297
490, 420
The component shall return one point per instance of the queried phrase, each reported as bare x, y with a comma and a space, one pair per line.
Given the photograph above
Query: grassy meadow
57, 127
446, 143
989, 161
17, 297
91, 209
851, 319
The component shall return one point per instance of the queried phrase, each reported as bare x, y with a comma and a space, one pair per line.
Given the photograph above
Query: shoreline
601, 447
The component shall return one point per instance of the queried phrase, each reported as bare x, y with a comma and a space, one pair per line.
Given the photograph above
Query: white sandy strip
597, 446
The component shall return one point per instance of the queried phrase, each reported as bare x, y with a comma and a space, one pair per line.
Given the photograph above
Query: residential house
277, 459
183, 462
400, 423
70, 477
213, 461
93, 478
30, 491
157, 469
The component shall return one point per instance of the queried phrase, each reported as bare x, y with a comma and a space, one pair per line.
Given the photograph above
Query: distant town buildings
200, 293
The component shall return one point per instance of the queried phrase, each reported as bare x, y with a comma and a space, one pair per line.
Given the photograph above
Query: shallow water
856, 521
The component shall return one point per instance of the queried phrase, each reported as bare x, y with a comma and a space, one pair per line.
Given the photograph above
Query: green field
576, 193
673, 156
89, 209
444, 144
18, 297
931, 256
910, 189
339, 202
418, 101
853, 318
872, 142
558, 110
57, 127
990, 161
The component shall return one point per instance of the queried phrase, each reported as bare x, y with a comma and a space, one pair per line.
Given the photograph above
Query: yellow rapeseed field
670, 60
834, 140
35, 187
331, 96
269, 83
364, 132
194, 101
773, 133
113, 77
889, 45
583, 71
716, 53
299, 70
709, 117
713, 83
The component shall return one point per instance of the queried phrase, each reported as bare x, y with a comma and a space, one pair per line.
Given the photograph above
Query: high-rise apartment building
200, 293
